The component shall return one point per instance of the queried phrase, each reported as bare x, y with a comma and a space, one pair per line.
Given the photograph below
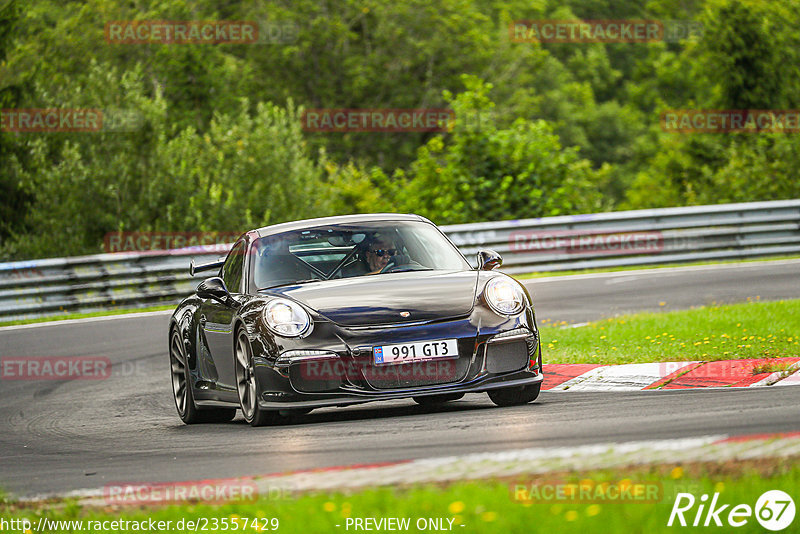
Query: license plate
414, 352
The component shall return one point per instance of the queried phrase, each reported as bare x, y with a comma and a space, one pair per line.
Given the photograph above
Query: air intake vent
506, 357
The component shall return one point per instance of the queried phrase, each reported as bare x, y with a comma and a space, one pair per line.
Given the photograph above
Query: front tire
247, 384
182, 389
515, 396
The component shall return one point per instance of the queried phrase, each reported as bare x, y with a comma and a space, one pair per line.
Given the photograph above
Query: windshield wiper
292, 283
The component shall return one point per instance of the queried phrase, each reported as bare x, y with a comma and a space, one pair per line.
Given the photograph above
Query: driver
379, 252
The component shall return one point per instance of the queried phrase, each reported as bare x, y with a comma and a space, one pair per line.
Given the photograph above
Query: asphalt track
57, 436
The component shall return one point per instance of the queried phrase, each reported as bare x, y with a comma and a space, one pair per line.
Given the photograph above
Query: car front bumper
304, 400
337, 368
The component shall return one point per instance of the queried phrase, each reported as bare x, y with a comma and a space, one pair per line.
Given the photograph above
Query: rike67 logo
774, 510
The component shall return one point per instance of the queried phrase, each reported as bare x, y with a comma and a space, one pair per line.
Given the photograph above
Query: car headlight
504, 296
286, 318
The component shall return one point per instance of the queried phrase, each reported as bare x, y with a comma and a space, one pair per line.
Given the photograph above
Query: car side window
232, 270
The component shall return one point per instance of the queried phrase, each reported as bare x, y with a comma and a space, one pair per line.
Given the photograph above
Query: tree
481, 172
247, 169
740, 54
14, 198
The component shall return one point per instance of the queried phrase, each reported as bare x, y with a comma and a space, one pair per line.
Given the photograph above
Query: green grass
773, 367
546, 274
748, 330
480, 506
86, 315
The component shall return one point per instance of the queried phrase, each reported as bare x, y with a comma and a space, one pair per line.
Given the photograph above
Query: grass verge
725, 332
476, 506
546, 274
87, 315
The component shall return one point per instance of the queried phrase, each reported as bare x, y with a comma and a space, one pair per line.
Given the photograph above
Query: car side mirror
489, 259
214, 288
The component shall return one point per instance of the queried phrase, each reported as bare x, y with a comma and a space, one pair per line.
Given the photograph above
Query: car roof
338, 219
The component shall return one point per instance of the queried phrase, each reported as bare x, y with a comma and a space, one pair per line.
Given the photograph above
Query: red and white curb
792, 379
670, 375
532, 461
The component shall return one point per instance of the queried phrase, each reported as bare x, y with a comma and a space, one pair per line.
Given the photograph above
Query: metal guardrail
40, 288
666, 235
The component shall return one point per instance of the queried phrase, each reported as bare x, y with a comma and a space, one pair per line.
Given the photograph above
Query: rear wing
205, 266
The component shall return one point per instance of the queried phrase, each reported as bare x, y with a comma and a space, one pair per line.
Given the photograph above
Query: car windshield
351, 250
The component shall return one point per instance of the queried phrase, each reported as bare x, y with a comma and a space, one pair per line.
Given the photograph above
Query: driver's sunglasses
384, 252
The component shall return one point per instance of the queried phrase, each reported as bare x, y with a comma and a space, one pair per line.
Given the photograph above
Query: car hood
380, 299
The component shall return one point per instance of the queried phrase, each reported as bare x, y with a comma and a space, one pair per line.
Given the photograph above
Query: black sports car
345, 310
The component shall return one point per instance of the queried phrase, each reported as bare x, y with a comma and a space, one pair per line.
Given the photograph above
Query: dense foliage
209, 136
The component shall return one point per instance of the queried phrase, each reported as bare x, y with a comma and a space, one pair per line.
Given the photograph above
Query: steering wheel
401, 260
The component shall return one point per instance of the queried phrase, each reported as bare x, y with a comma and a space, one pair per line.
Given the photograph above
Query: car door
216, 319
